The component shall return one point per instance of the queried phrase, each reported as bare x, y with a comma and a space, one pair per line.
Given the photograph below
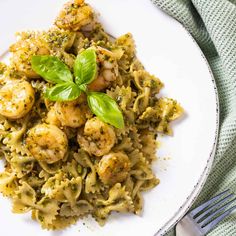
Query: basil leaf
51, 69
105, 108
85, 67
63, 92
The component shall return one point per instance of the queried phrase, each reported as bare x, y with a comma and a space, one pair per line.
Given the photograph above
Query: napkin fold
213, 25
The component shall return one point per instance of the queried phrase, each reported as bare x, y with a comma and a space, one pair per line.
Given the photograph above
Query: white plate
169, 52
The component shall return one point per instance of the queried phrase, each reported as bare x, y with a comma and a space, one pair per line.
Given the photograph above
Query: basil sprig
69, 86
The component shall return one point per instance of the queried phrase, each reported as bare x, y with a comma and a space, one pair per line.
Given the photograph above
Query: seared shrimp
47, 143
107, 69
52, 118
97, 138
23, 50
74, 113
75, 15
59, 38
113, 168
16, 99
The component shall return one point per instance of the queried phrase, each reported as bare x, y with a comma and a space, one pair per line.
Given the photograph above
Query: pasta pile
62, 163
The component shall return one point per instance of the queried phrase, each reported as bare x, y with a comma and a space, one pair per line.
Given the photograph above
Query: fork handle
187, 228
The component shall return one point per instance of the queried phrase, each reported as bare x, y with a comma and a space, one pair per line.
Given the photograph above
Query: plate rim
183, 209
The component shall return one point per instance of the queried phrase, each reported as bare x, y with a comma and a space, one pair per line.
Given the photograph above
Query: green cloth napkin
213, 25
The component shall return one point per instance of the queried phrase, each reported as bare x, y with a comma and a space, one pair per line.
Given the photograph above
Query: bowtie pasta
61, 162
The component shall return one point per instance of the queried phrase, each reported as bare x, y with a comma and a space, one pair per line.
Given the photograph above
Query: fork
205, 217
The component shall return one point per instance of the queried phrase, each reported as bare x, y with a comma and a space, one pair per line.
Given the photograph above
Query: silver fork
204, 218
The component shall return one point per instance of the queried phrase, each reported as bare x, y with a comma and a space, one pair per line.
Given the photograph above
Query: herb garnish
69, 87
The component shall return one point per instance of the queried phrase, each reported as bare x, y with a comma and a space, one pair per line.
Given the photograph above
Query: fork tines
210, 213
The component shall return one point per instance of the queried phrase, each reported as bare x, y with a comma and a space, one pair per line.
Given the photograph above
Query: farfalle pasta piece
62, 189
149, 184
140, 167
72, 190
53, 186
51, 168
13, 140
101, 214
91, 184
135, 138
141, 102
143, 172
137, 196
82, 158
81, 208
123, 133
5, 127
44, 175
24, 199
124, 145
136, 157
150, 114
136, 65
147, 85
61, 222
33, 180
22, 165
116, 193
72, 169
126, 44
160, 116
138, 203
123, 95
136, 188
8, 183
149, 146
129, 184
144, 80
45, 211
168, 110
118, 200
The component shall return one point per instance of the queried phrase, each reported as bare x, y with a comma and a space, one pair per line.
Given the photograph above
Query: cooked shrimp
75, 15
52, 118
74, 113
97, 138
23, 50
113, 168
107, 69
47, 143
59, 38
16, 99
